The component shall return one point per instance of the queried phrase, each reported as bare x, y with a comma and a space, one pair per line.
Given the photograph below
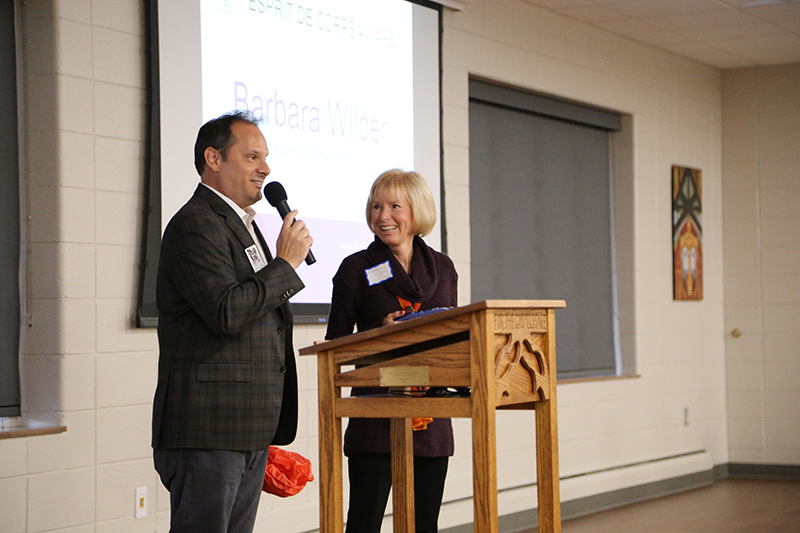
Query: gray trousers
211, 491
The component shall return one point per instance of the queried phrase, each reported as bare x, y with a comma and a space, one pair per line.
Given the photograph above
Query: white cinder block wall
85, 365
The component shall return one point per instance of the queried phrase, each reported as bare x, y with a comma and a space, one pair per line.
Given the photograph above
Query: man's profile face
240, 176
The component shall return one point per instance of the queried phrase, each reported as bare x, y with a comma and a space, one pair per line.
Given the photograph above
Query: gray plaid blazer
226, 372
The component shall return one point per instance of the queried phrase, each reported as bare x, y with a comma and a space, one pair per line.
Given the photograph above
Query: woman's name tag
379, 273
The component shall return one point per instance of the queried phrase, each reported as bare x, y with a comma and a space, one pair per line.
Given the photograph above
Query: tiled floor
728, 506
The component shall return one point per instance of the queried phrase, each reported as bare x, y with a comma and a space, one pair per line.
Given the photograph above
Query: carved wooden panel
522, 371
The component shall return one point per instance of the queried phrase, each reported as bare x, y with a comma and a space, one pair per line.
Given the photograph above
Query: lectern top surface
441, 316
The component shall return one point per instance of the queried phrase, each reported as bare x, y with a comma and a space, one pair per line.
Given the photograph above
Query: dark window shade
9, 218
542, 105
540, 219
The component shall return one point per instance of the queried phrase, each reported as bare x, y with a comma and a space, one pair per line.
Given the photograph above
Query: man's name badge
256, 259
379, 273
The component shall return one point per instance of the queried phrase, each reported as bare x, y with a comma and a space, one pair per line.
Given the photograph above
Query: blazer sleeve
209, 268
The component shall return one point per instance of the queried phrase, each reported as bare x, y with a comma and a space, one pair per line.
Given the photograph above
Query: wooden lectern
503, 349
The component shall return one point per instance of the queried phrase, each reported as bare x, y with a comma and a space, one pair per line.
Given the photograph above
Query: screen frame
147, 310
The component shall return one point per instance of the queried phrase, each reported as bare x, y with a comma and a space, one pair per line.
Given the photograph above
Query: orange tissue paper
287, 472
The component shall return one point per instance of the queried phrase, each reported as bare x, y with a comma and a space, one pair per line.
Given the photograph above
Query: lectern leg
547, 468
548, 486
331, 519
484, 429
484, 471
402, 475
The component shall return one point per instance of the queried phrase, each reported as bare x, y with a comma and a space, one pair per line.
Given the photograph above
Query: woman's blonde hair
414, 186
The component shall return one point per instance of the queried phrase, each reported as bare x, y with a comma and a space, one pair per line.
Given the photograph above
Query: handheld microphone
276, 196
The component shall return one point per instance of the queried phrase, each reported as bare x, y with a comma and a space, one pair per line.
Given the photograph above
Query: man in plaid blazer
227, 384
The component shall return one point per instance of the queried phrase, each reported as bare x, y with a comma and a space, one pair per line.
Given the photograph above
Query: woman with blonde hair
398, 273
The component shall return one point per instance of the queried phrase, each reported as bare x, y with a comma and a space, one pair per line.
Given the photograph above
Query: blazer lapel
263, 242
224, 210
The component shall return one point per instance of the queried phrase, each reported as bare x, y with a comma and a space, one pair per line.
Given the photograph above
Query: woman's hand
389, 319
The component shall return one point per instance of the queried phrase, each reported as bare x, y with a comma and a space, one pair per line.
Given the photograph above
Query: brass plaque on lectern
404, 376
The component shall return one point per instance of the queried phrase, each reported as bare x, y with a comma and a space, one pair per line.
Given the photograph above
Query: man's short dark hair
217, 134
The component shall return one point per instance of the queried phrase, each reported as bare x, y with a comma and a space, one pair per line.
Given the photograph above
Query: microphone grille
274, 193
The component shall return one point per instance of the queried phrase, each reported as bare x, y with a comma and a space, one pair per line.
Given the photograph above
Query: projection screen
345, 89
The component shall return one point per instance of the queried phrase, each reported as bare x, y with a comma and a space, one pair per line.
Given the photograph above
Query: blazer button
280, 330
283, 370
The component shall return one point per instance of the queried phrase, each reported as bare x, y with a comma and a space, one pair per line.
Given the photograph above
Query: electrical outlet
141, 502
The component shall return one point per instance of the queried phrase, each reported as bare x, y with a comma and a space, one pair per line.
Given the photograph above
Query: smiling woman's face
392, 219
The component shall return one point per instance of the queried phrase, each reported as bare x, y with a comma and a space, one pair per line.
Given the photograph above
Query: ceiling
722, 33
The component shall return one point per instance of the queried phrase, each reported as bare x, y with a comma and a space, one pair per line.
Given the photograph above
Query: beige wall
761, 164
86, 366
674, 109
